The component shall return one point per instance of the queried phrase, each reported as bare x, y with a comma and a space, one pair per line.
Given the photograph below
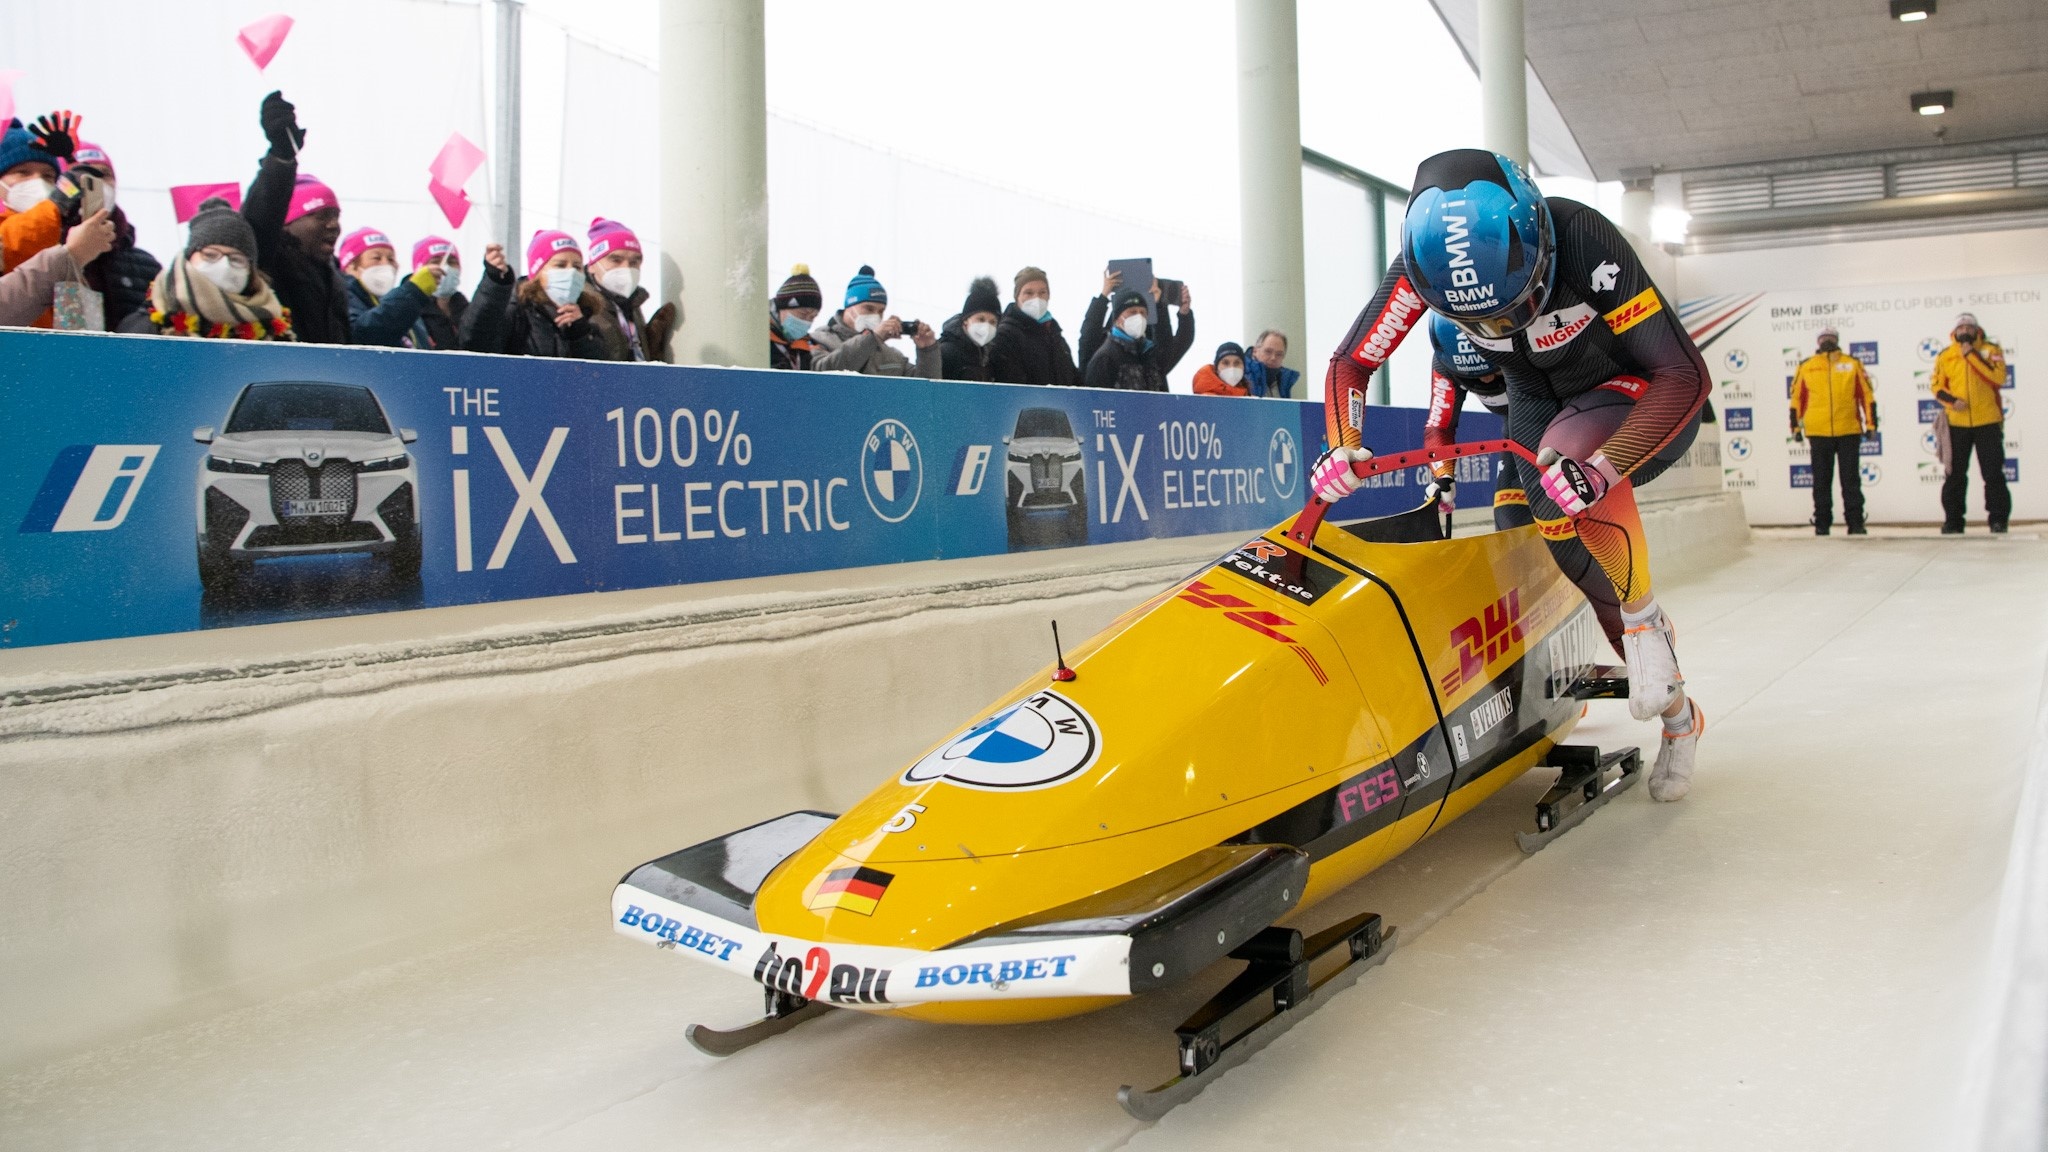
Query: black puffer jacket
123, 274
530, 328
1027, 351
962, 358
1169, 343
311, 286
471, 325
1130, 365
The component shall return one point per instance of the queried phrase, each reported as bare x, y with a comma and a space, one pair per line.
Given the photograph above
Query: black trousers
1830, 453
1989, 441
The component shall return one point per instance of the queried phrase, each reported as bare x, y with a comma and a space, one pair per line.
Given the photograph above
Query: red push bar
1311, 518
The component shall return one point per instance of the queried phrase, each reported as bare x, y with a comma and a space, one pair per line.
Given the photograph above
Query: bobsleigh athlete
1602, 381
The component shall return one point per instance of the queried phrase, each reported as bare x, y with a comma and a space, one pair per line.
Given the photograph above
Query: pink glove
1574, 486
1333, 478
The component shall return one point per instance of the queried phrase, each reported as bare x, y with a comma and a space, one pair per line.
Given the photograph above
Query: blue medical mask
795, 327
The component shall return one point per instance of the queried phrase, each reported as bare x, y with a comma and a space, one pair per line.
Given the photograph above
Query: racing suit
1606, 368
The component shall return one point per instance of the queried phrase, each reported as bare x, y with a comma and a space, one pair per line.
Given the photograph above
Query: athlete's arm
1379, 329
1648, 333
1440, 427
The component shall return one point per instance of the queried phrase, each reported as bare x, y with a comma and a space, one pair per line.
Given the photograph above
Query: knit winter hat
608, 236
864, 288
1227, 348
310, 195
91, 155
433, 248
1125, 299
17, 147
1026, 275
360, 241
799, 291
216, 223
1966, 320
981, 297
544, 245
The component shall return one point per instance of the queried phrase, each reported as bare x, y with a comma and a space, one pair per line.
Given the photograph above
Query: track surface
1789, 959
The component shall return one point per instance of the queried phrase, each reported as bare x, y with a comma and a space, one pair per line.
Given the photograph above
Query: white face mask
1231, 375
564, 285
620, 281
1134, 326
981, 332
224, 275
380, 280
1034, 307
866, 322
28, 193
451, 281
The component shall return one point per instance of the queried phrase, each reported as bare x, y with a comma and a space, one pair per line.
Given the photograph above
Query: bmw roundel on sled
1139, 811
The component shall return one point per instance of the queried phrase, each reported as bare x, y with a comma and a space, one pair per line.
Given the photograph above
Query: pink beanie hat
93, 155
310, 195
545, 244
610, 236
360, 241
433, 248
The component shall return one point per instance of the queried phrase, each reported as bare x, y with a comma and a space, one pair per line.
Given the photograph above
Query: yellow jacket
1971, 382
1831, 395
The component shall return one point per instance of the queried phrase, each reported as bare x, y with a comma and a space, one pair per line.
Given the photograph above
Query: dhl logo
1244, 612
1637, 309
1483, 639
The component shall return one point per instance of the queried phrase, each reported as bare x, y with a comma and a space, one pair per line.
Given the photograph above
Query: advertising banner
1897, 331
164, 485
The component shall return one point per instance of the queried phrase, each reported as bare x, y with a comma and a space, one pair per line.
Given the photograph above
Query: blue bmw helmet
1458, 350
1479, 242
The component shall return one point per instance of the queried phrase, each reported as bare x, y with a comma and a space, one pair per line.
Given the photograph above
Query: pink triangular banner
262, 39
186, 198
7, 78
454, 204
457, 161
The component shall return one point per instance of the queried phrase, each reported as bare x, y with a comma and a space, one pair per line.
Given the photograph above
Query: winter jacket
531, 330
784, 353
1831, 396
1131, 365
1027, 351
311, 286
1259, 382
1208, 383
840, 349
1974, 379
960, 357
387, 322
25, 289
480, 321
123, 274
628, 333
1168, 344
23, 234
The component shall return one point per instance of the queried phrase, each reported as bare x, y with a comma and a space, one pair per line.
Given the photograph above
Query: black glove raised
56, 133
78, 194
281, 126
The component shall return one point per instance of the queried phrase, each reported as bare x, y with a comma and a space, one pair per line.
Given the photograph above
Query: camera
911, 327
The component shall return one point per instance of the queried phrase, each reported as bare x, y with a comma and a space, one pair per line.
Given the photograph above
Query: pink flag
454, 204
186, 198
458, 159
7, 78
262, 39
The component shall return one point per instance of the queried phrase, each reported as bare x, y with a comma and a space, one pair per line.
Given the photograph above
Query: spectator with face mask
216, 289
26, 291
123, 275
30, 218
298, 222
856, 339
1968, 375
1169, 343
790, 316
615, 259
1264, 373
383, 309
1127, 358
964, 339
454, 321
1225, 375
552, 308
1029, 347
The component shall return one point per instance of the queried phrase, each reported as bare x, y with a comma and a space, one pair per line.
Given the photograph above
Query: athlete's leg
1510, 501
1528, 421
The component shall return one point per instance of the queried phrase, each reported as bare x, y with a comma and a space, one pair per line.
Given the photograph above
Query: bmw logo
1739, 447
1872, 474
1929, 444
1036, 743
1283, 462
1736, 360
1929, 349
891, 470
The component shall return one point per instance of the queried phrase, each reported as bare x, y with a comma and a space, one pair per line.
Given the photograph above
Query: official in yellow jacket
1967, 378
1833, 411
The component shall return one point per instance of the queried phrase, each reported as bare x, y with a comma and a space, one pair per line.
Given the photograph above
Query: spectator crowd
281, 268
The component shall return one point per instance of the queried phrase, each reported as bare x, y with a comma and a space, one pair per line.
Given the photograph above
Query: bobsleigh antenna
1061, 674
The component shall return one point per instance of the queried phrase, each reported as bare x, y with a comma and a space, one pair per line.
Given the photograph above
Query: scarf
182, 304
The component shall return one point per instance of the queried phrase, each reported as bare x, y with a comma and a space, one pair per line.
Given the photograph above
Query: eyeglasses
216, 252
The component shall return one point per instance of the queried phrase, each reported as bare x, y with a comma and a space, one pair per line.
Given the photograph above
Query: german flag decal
1637, 309
854, 889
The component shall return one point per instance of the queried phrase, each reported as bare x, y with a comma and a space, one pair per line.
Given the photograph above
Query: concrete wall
199, 822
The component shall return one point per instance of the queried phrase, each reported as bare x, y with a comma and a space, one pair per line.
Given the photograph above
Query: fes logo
1483, 639
1603, 276
1035, 743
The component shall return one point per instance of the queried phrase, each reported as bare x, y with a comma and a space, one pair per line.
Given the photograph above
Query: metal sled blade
1574, 786
717, 1042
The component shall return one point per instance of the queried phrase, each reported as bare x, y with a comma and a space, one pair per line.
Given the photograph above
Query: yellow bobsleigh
1218, 759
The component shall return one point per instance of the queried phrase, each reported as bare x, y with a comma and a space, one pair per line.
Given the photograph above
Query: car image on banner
1045, 502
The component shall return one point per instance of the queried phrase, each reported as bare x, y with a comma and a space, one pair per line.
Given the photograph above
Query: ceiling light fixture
1908, 11
1934, 103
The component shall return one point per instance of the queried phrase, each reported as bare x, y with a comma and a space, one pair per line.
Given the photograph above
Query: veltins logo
1039, 742
1282, 462
1736, 359
1737, 478
891, 470
1739, 448
1930, 472
90, 488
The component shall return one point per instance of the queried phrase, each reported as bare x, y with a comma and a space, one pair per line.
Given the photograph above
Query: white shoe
1653, 679
1671, 778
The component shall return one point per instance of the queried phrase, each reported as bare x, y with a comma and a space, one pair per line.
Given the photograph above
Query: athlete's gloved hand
1445, 489
1333, 478
1870, 435
1799, 435
1573, 485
